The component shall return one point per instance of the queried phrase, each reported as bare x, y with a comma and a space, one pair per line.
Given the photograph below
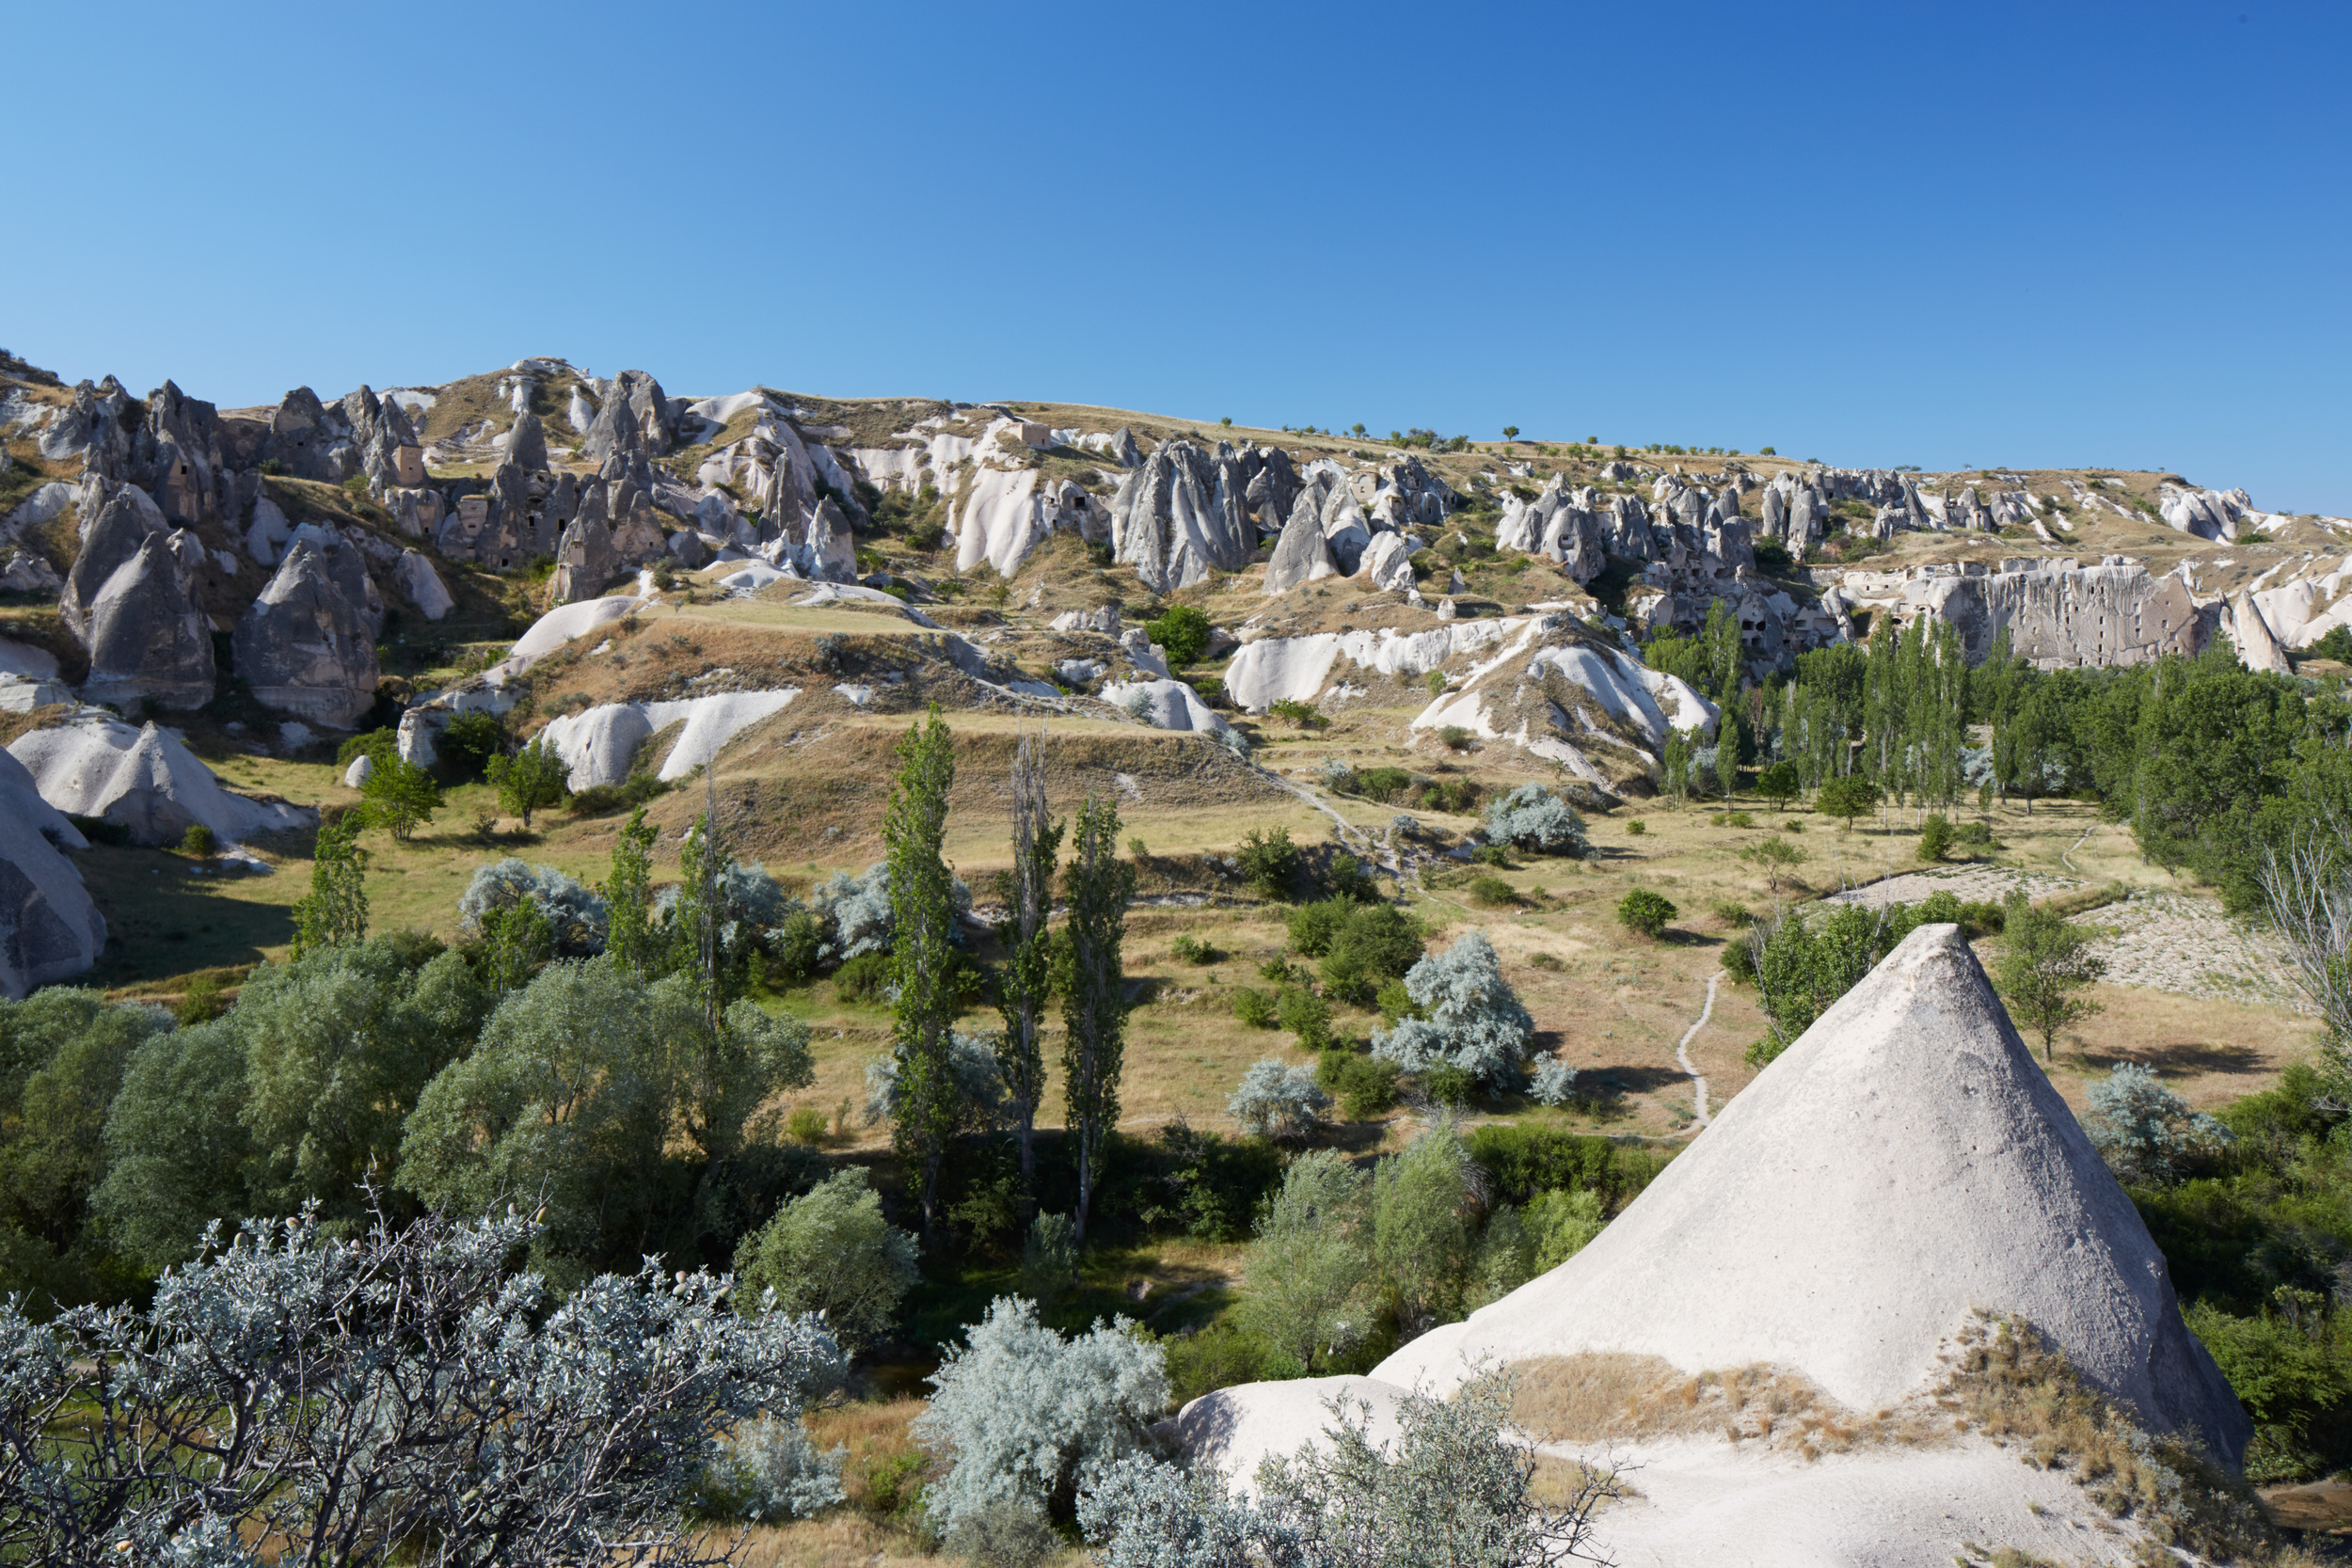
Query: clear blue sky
1873, 233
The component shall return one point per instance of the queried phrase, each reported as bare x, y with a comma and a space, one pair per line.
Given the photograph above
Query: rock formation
600, 746
50, 929
1302, 554
121, 526
1902, 1167
636, 417
143, 779
2061, 615
585, 561
416, 577
304, 646
147, 640
1168, 704
1181, 515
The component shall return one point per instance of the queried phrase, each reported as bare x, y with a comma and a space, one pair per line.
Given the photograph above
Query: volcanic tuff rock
147, 640
1302, 554
2058, 615
1902, 1167
1184, 515
304, 646
122, 525
49, 927
585, 561
636, 417
144, 779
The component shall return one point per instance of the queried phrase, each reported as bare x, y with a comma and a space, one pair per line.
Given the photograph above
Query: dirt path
1682, 1053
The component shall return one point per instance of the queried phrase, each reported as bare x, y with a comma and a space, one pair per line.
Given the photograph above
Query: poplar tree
695, 919
1026, 981
335, 912
628, 892
1094, 1007
922, 955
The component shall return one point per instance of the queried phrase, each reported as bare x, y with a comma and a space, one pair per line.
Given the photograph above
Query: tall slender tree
1027, 979
1094, 1006
695, 919
335, 912
628, 894
922, 953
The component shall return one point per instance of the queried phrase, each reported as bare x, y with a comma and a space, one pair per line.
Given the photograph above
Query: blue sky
1873, 233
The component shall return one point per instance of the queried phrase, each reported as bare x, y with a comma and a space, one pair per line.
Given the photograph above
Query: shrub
1254, 1008
806, 1124
1847, 798
1778, 782
2142, 1129
197, 843
1372, 942
470, 742
1455, 739
1023, 1412
1049, 1256
1554, 1083
1268, 862
1533, 817
1474, 1020
1456, 797
767, 1471
1309, 1268
613, 799
1305, 1015
1394, 1001
1646, 913
1562, 1222
1192, 950
1734, 819
1364, 1085
1447, 1487
1300, 715
1350, 878
1448, 1085
1545, 960
1183, 634
1492, 891
1313, 926
1491, 854
1635, 827
1278, 1101
1382, 784
1793, 825
1011, 1534
400, 798
575, 916
1936, 837
830, 1251
862, 978
1731, 911
1338, 775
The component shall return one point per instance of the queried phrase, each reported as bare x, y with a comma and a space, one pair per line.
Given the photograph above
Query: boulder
362, 768
1104, 620
416, 578
690, 550
304, 648
143, 779
148, 641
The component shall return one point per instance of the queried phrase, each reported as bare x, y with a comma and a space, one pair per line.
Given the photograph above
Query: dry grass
1610, 1397
2011, 1385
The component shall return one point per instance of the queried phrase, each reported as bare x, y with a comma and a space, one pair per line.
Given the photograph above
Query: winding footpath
1683, 1053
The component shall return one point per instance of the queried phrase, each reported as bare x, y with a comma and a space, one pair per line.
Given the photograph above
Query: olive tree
1450, 1489
1020, 1411
346, 1399
1310, 1269
830, 1251
1533, 817
1472, 1020
1276, 1101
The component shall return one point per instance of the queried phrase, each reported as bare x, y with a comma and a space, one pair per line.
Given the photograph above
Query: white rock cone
1903, 1164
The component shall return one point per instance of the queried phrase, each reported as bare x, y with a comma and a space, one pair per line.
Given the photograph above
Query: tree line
2212, 763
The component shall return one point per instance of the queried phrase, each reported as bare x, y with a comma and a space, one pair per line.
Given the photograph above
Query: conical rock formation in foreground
1903, 1164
